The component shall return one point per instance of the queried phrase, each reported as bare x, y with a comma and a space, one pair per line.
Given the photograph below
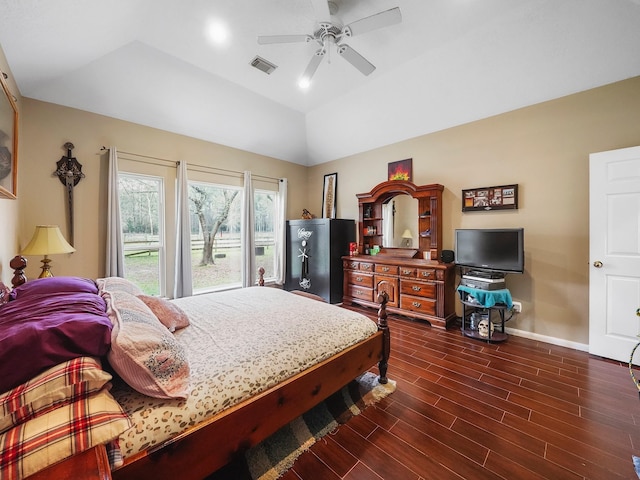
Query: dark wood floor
466, 409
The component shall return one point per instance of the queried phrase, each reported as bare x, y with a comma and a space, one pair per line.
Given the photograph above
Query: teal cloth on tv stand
488, 298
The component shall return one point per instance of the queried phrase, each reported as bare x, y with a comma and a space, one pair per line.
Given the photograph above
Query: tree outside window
215, 247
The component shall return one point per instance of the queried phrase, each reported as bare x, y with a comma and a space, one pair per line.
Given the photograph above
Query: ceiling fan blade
269, 39
313, 66
367, 24
321, 8
355, 59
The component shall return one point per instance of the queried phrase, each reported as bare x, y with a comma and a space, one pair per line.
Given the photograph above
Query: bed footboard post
261, 277
383, 298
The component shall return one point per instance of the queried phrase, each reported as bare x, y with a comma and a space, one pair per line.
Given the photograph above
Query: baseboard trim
546, 339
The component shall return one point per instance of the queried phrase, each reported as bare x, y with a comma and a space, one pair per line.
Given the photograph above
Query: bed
278, 376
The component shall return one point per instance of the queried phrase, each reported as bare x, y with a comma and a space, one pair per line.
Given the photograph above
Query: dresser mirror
385, 218
400, 222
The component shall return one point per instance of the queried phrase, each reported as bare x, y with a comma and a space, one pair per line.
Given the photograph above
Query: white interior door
614, 249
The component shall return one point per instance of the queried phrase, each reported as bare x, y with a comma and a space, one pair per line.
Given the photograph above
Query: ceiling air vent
263, 65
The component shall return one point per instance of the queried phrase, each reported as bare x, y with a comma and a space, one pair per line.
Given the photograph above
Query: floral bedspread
239, 343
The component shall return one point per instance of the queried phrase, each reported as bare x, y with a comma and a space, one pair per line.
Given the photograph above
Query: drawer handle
416, 304
358, 292
426, 274
416, 288
385, 269
406, 272
354, 265
366, 267
359, 279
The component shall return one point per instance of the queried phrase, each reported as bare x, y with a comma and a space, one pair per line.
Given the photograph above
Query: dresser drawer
366, 267
408, 272
418, 304
386, 269
420, 289
426, 273
363, 293
350, 264
361, 279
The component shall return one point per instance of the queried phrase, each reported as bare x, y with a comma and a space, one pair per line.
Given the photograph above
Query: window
265, 229
142, 212
214, 223
215, 236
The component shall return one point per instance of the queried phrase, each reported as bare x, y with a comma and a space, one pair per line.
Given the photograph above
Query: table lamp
407, 238
47, 240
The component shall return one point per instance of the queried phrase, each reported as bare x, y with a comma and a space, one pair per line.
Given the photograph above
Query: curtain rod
177, 162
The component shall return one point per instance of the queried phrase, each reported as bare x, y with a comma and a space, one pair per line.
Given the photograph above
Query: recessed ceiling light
218, 32
304, 82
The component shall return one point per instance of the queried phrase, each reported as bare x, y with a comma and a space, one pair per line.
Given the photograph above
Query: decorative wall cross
69, 171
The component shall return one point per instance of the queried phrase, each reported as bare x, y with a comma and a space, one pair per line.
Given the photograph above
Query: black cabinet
314, 251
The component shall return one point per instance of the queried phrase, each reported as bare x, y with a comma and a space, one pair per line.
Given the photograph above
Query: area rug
274, 456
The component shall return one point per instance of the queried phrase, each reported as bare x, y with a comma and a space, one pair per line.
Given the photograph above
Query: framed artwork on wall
503, 197
8, 143
329, 195
400, 170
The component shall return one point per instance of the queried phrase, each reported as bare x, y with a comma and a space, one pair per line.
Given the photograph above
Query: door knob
597, 264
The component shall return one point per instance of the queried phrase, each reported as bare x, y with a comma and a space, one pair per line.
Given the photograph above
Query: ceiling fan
331, 31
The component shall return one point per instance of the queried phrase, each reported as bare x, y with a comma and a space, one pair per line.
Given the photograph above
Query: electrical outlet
517, 307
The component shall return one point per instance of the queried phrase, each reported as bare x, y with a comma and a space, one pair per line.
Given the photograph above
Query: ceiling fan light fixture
333, 32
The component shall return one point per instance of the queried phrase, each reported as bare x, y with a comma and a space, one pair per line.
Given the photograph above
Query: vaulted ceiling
448, 62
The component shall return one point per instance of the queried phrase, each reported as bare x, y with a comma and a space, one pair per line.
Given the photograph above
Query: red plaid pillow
73, 428
57, 386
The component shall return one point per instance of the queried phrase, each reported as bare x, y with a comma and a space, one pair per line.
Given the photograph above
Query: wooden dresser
417, 288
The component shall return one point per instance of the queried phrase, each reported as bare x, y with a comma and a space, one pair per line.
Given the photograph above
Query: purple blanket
40, 330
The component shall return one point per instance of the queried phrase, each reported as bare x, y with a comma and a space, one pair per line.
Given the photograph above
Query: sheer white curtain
281, 231
183, 284
388, 224
247, 229
114, 265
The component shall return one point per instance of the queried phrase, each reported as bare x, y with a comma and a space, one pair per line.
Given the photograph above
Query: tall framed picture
329, 195
8, 143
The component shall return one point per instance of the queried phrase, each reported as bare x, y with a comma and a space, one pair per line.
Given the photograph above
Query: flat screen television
498, 249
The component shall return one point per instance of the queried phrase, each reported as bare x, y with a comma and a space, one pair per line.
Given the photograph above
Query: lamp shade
407, 234
47, 240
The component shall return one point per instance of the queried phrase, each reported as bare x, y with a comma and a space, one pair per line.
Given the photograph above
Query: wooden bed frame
210, 445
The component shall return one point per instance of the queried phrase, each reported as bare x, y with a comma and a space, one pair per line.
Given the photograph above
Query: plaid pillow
44, 440
59, 385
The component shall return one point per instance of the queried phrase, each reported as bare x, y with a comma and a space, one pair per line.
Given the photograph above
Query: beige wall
545, 150
8, 208
42, 197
